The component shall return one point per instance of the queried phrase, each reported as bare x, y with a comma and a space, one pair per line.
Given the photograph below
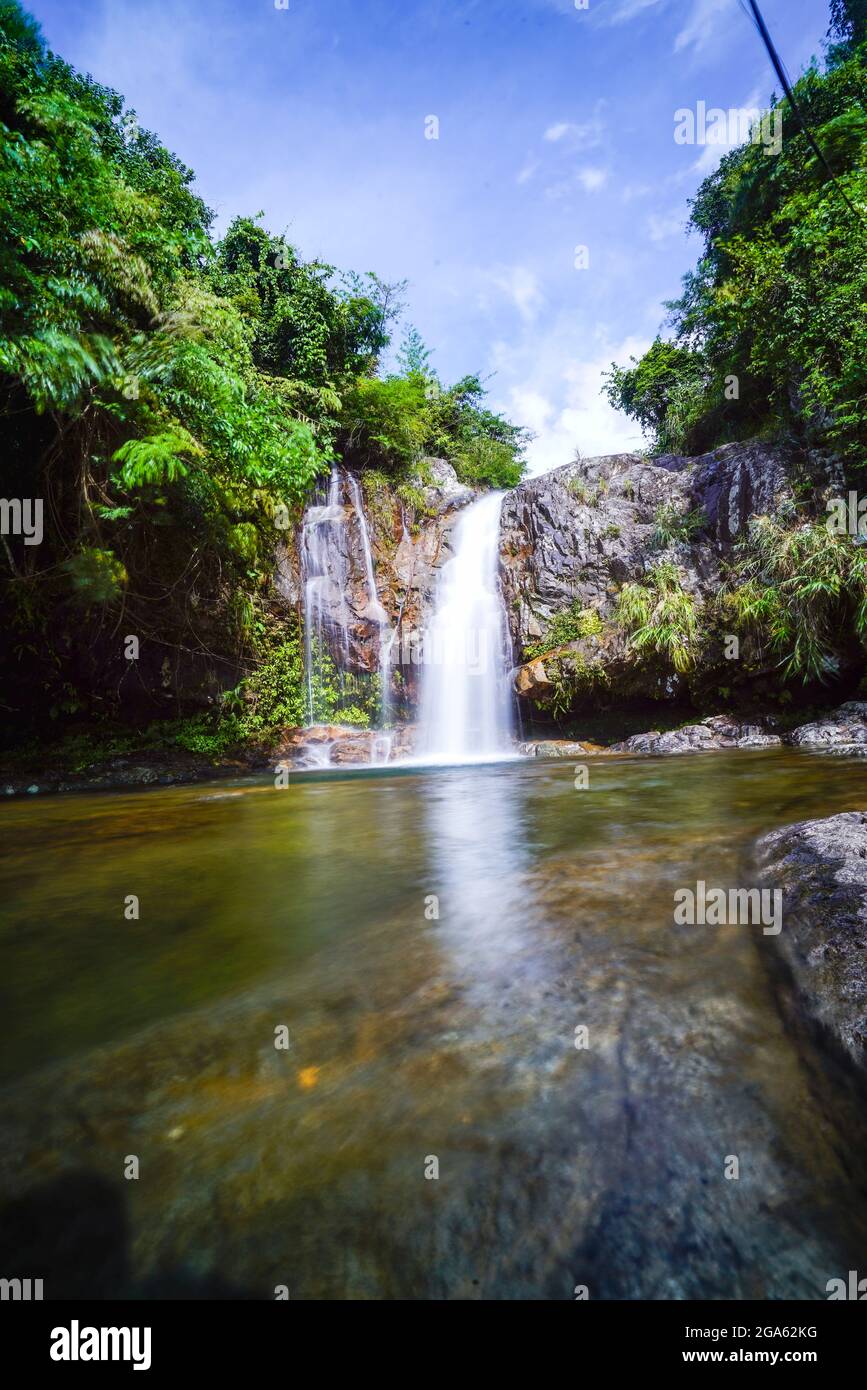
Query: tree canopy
165, 392
770, 334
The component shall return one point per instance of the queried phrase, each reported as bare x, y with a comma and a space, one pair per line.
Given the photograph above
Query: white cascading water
466, 703
375, 609
324, 576
325, 547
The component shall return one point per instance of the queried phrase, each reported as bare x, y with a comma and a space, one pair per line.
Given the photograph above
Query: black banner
156, 1338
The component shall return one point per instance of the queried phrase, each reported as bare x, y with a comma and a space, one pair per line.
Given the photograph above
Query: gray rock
687, 740
844, 730
821, 867
578, 533
558, 748
720, 731
443, 491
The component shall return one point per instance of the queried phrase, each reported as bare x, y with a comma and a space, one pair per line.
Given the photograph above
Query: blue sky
555, 131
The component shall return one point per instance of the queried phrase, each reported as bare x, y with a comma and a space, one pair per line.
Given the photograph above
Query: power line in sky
755, 15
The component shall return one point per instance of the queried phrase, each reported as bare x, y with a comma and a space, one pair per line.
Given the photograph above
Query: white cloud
701, 27
592, 180
552, 383
531, 408
622, 12
579, 135
589, 179
661, 226
521, 285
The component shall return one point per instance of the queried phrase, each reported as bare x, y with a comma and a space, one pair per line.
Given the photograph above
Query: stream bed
426, 942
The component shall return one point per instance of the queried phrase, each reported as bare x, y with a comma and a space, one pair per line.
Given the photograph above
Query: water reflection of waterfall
477, 868
466, 704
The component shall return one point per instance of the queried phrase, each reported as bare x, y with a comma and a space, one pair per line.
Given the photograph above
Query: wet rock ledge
821, 868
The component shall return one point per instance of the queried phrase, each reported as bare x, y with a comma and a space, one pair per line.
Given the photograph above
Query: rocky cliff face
569, 539
577, 534
409, 542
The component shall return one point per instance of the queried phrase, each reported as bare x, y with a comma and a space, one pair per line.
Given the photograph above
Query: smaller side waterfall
327, 549
375, 609
324, 572
466, 703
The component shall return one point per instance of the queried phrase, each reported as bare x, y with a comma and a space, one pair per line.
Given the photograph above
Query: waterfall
324, 573
375, 608
466, 703
326, 549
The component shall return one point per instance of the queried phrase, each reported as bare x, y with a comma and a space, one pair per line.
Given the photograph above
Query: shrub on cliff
770, 335
800, 593
390, 423
660, 617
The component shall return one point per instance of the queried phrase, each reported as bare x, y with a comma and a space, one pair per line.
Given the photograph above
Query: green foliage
201, 735
663, 391
571, 624
155, 459
384, 422
166, 393
390, 424
353, 715
848, 21
413, 357
483, 462
769, 336
660, 617
672, 524
801, 593
588, 496
274, 695
573, 678
97, 576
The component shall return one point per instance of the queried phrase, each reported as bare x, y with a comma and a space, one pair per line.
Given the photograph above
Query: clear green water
414, 1038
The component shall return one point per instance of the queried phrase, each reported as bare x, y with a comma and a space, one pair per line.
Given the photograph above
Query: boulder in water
821, 867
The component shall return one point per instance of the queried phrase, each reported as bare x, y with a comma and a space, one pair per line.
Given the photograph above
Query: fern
156, 459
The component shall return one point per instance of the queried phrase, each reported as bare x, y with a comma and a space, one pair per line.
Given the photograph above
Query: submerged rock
558, 748
328, 745
821, 868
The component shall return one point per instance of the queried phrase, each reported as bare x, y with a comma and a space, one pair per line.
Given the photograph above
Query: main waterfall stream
466, 706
